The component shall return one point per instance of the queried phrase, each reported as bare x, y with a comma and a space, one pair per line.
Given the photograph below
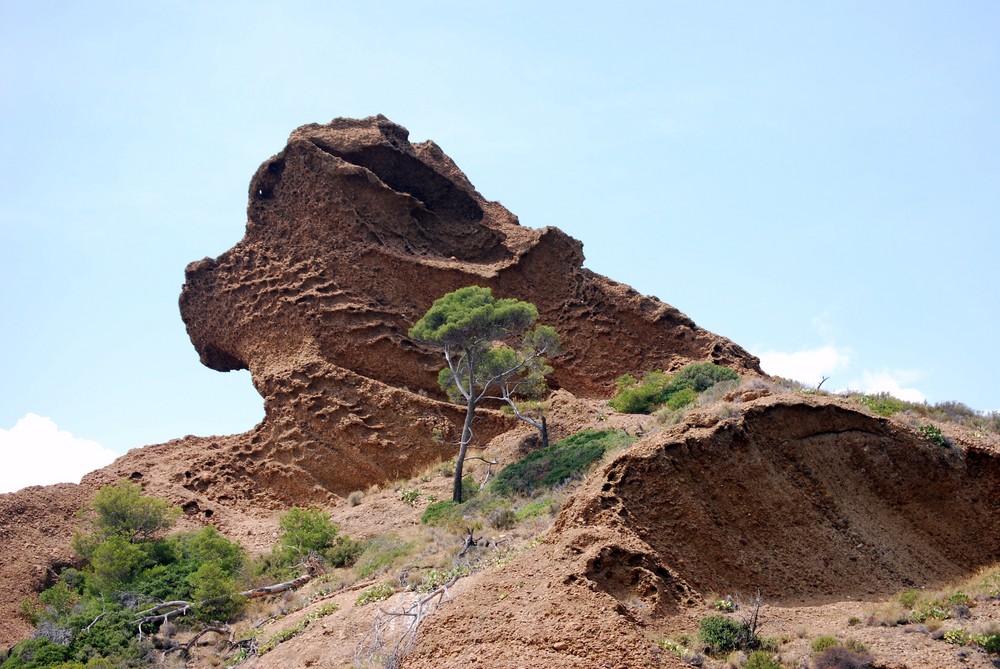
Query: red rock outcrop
352, 233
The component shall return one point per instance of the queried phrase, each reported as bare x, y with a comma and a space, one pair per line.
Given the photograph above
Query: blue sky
820, 182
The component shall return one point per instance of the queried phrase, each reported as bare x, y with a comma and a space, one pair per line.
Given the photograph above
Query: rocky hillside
352, 232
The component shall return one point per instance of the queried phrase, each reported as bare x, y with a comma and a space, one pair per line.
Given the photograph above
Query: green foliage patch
561, 461
88, 619
379, 553
675, 391
762, 659
883, 404
720, 634
375, 593
932, 433
439, 514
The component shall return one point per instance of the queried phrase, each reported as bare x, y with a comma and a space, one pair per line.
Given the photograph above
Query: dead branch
92, 622
276, 588
489, 468
185, 649
181, 607
470, 543
751, 621
378, 642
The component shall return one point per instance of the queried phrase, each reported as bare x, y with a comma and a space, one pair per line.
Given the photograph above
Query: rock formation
352, 233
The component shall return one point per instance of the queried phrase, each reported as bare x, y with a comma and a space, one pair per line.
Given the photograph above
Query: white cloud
808, 366
891, 382
36, 452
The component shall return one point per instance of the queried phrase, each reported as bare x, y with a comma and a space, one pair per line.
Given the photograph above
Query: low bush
932, 433
674, 391
375, 593
723, 635
761, 659
559, 462
909, 598
379, 553
537, 507
344, 552
304, 531
883, 404
821, 643
501, 518
440, 514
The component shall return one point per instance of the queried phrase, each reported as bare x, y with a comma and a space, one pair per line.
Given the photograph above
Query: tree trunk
470, 413
544, 430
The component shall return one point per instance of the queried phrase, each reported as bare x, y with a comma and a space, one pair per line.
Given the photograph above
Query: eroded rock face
804, 499
352, 233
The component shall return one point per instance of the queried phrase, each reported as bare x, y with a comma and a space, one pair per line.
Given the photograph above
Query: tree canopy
478, 334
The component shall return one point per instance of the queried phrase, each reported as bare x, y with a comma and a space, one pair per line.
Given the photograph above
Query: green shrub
344, 552
470, 488
36, 653
883, 404
379, 553
432, 579
214, 590
760, 659
441, 513
375, 593
681, 399
932, 433
721, 635
909, 598
935, 610
58, 601
90, 612
122, 510
658, 388
115, 563
281, 636
409, 496
557, 463
642, 397
990, 642
821, 643
959, 598
305, 531
535, 508
207, 544
701, 376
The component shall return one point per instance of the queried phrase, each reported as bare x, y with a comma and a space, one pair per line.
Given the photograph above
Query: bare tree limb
92, 622
379, 643
185, 649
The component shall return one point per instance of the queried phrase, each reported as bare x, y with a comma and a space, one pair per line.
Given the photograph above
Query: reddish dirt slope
805, 499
